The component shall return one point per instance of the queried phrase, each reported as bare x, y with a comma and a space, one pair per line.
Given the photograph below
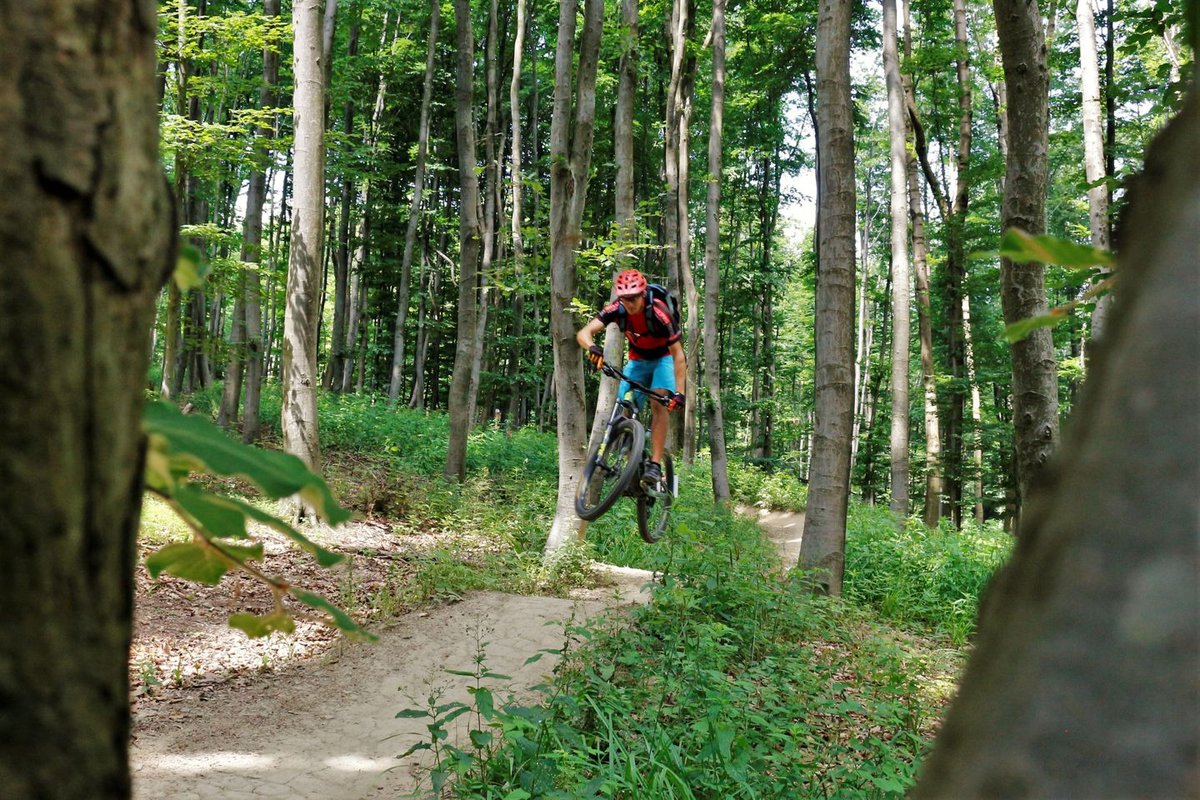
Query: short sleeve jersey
649, 334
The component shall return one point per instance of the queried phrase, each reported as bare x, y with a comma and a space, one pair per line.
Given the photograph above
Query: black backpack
659, 292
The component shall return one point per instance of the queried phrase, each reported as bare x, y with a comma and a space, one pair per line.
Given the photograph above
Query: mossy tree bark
86, 241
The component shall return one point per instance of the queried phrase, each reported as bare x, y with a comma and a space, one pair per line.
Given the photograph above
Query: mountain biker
656, 356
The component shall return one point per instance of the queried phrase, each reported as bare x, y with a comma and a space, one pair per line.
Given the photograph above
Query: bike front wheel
654, 506
608, 470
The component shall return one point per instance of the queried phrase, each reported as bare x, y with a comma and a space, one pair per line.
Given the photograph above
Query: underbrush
733, 682
916, 575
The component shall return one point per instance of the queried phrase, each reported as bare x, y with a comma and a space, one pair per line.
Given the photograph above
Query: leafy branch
180, 446
1023, 248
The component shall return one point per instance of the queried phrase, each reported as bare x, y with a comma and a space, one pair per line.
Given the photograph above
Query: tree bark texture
901, 309
470, 235
824, 542
1023, 289
304, 264
712, 268
570, 160
86, 241
1085, 678
1093, 144
625, 209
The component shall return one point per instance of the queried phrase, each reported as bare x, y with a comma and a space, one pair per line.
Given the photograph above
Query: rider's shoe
651, 476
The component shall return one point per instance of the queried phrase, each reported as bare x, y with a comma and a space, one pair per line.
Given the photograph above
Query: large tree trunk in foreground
1085, 680
1023, 288
304, 265
570, 159
824, 544
86, 240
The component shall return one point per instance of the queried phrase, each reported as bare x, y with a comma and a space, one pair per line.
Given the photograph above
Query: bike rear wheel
608, 471
654, 508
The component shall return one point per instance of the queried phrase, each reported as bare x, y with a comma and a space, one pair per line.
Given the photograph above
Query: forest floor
313, 715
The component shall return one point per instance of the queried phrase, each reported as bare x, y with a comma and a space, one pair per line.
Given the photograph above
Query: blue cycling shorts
657, 373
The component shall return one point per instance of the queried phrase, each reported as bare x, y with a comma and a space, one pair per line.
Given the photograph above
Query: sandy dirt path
327, 729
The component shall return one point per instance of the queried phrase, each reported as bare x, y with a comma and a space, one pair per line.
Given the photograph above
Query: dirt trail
326, 729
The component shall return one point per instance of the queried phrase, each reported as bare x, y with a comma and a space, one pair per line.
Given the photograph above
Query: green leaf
481, 739
484, 702
196, 443
326, 558
256, 627
214, 514
412, 713
1019, 330
1020, 247
340, 618
189, 268
518, 794
188, 560
415, 748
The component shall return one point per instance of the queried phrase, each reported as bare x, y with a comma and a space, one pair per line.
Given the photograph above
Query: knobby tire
654, 513
608, 473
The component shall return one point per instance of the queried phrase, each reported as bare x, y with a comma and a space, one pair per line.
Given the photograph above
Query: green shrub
732, 682
917, 575
778, 490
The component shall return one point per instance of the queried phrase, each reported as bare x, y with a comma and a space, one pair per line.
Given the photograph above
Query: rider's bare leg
659, 422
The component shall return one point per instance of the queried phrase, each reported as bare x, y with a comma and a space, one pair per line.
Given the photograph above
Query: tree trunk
824, 542
933, 436
87, 237
491, 201
1058, 699
515, 354
625, 209
1023, 290
414, 208
954, 216
341, 346
901, 326
1093, 144
304, 265
470, 241
570, 159
976, 411
712, 255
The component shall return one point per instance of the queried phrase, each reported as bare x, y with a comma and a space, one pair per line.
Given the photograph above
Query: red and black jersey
649, 334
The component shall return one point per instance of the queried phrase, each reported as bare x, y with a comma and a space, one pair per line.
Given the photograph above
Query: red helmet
630, 283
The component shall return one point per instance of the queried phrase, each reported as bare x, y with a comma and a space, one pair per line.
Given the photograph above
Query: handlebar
613, 372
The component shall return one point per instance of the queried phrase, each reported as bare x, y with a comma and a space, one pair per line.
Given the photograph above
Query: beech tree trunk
1093, 144
87, 238
414, 209
712, 256
470, 235
1023, 289
824, 542
304, 265
514, 416
625, 209
570, 160
1083, 681
901, 327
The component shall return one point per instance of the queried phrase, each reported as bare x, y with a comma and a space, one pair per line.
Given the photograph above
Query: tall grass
917, 575
732, 682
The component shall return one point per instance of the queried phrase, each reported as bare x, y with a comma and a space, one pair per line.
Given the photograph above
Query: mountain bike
614, 466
